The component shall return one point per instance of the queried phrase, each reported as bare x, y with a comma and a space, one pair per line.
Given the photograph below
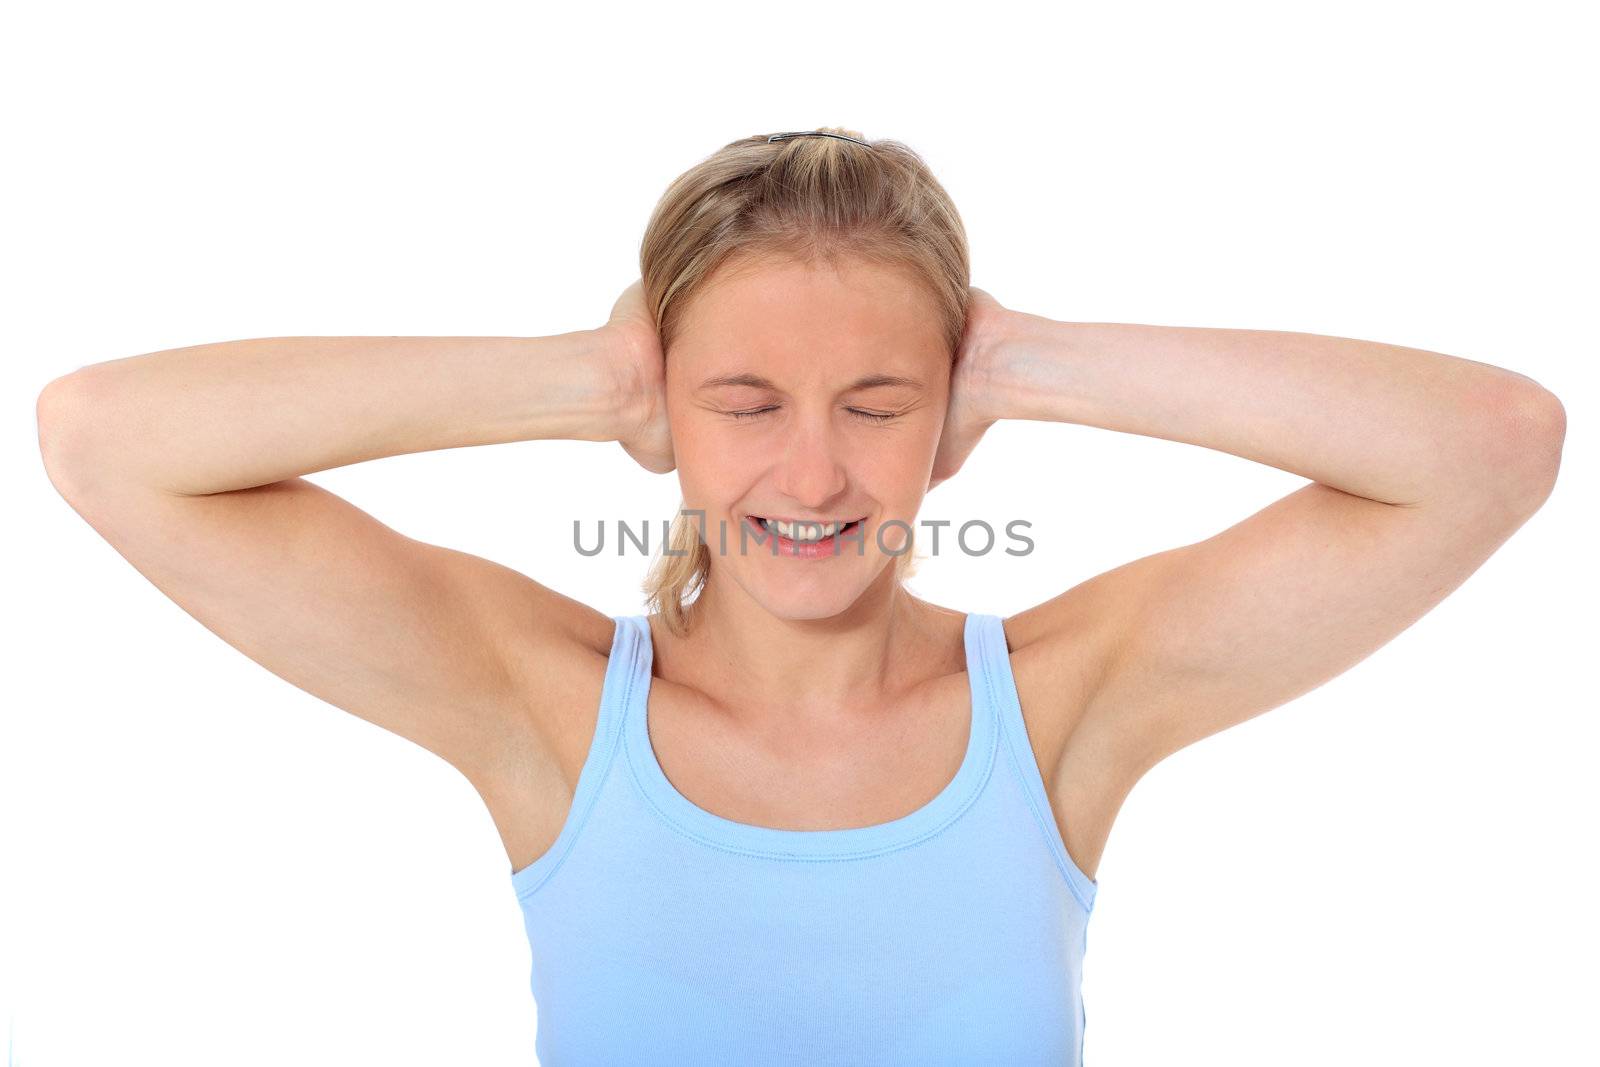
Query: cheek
696, 441
910, 448
713, 465
895, 472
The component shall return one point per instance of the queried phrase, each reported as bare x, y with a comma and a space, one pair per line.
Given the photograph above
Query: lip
816, 522
826, 548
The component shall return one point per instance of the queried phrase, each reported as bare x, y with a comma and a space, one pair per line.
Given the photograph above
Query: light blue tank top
665, 934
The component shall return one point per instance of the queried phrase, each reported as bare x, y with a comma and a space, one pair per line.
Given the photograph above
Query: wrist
634, 374
1009, 368
988, 366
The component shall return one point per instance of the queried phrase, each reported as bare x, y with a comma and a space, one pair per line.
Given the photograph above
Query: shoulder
557, 659
1060, 651
1069, 642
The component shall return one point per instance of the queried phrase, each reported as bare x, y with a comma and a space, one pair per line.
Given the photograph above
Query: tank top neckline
979, 634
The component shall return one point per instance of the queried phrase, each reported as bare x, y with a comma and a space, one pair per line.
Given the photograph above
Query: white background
205, 865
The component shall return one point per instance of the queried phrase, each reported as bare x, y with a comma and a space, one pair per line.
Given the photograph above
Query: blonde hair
804, 199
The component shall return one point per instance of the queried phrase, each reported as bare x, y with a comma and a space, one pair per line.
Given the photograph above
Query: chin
800, 590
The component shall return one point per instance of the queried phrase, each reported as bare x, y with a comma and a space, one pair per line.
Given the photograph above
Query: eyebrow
756, 381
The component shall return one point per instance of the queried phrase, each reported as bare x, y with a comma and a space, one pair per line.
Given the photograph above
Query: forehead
763, 311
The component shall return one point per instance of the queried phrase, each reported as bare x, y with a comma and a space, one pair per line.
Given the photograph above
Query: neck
820, 672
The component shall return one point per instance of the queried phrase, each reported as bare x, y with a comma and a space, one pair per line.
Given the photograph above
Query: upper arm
438, 646
1185, 643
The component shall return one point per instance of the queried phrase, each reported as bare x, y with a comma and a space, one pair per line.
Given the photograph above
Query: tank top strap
993, 660
626, 673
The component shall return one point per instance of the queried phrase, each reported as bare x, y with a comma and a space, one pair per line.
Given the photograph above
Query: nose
810, 470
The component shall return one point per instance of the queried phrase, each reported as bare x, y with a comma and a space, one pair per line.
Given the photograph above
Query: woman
796, 814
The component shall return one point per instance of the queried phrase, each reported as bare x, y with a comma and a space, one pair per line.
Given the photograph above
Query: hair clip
814, 133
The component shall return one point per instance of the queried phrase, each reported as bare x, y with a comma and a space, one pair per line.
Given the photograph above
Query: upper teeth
804, 531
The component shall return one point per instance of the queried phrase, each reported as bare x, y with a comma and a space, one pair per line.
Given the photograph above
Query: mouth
805, 544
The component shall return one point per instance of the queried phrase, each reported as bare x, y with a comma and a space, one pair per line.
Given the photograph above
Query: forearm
1395, 424
236, 414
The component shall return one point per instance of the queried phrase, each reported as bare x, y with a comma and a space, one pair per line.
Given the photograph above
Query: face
806, 392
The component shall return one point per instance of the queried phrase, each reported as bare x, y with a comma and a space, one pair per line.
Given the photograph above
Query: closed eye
871, 416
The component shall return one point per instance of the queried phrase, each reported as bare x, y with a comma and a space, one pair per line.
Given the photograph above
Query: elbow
1525, 428
60, 416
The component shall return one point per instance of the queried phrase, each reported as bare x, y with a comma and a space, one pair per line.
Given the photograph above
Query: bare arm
219, 417
188, 462
1421, 465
